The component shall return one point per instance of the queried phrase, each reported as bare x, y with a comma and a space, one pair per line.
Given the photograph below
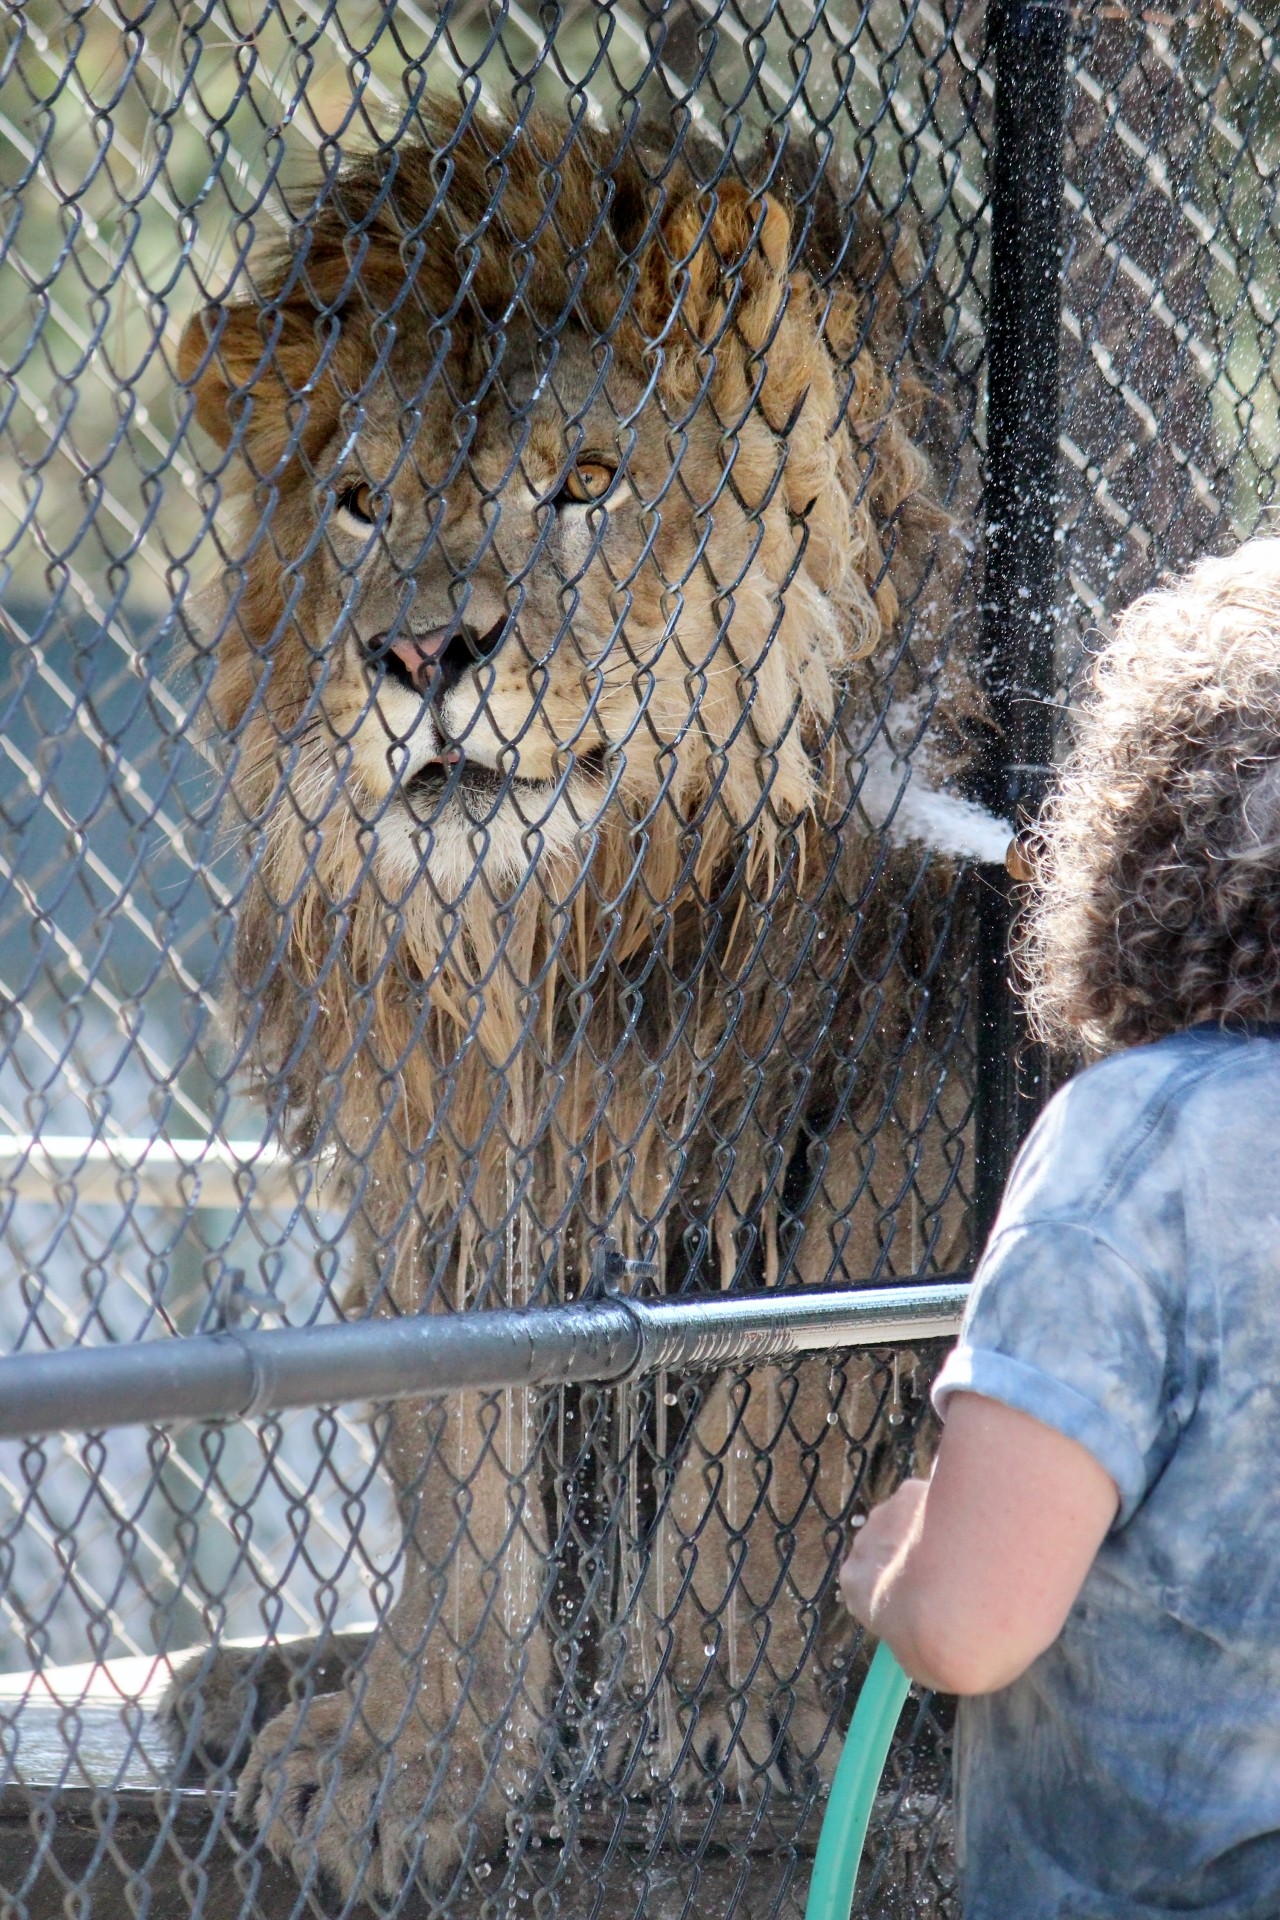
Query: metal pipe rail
609, 1339
79, 1170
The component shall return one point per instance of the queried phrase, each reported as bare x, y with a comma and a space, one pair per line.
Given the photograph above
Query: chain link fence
515, 694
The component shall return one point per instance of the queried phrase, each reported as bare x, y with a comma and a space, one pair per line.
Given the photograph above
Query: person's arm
969, 1576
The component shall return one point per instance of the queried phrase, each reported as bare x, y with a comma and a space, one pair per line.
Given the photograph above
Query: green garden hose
853, 1791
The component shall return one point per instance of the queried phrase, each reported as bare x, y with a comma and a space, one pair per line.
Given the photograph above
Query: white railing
186, 1174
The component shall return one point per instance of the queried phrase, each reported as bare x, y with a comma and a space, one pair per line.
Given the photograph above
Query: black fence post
1020, 511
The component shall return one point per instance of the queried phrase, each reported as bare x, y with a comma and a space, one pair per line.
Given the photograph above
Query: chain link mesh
493, 612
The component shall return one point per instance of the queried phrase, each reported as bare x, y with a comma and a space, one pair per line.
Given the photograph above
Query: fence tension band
611, 1339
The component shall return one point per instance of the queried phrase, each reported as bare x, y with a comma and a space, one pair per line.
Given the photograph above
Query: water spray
899, 800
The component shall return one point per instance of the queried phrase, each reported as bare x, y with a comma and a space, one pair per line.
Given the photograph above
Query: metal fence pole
608, 1339
1021, 496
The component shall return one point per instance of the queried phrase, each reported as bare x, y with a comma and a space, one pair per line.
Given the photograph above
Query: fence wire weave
492, 524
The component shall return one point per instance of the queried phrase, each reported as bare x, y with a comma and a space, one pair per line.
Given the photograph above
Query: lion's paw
745, 1743
779, 1738
221, 1697
355, 1814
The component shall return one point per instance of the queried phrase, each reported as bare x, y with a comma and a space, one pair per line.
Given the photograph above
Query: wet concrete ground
111, 1864
73, 1849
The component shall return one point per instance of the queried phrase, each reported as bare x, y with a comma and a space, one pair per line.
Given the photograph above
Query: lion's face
561, 541
512, 615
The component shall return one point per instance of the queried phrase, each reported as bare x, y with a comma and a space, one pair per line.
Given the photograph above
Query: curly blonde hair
1157, 896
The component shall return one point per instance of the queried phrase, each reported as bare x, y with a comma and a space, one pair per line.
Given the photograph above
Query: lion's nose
437, 659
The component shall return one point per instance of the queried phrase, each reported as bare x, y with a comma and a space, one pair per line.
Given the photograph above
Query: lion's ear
715, 255
218, 354
230, 355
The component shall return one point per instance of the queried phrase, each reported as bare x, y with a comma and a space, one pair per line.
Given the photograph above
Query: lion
581, 507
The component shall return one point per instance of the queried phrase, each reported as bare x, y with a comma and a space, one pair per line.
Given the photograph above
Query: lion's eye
361, 502
587, 480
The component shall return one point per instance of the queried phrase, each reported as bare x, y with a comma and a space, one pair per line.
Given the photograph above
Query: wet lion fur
434, 1047
639, 963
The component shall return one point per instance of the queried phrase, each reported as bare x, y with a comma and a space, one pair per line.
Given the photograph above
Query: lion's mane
650, 1036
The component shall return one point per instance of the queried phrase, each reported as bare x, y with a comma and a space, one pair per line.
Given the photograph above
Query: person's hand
877, 1544
968, 1576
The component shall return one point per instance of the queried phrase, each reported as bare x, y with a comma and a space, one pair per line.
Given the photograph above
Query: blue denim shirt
1130, 1298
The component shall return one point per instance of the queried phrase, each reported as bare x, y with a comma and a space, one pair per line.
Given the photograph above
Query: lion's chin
475, 834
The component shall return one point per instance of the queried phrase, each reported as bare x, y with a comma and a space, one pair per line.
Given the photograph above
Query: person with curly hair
1095, 1563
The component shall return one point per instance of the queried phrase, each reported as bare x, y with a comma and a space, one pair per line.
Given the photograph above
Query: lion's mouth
478, 788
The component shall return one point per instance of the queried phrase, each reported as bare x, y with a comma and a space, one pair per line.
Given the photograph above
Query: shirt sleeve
1061, 1326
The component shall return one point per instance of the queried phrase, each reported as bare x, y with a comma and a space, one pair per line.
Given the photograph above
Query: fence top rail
613, 1338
